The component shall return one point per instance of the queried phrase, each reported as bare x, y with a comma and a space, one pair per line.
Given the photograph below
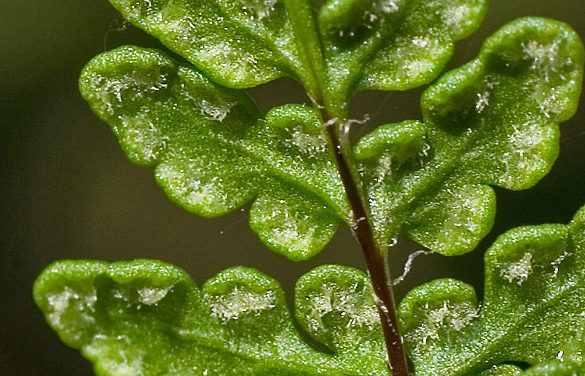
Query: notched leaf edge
491, 122
214, 152
146, 317
532, 310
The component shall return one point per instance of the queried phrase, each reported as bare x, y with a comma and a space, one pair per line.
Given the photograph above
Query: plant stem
375, 262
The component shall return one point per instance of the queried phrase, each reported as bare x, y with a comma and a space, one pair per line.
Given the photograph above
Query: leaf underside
492, 122
532, 310
213, 151
148, 318
392, 44
243, 43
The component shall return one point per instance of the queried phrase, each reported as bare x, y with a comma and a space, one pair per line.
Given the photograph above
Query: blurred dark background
67, 190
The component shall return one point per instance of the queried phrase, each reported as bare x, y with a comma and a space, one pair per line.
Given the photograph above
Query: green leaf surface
148, 318
214, 152
552, 368
392, 44
557, 368
492, 122
238, 43
532, 310
502, 370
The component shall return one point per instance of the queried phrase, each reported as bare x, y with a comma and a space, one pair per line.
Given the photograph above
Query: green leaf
148, 318
392, 44
237, 43
492, 122
532, 309
214, 152
552, 368
502, 370
335, 305
556, 368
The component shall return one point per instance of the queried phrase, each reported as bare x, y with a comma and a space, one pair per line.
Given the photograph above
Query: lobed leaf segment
492, 122
149, 318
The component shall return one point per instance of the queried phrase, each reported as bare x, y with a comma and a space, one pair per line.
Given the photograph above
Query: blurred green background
68, 191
